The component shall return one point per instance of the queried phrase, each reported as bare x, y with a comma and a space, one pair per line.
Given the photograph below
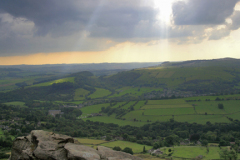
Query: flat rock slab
115, 155
80, 151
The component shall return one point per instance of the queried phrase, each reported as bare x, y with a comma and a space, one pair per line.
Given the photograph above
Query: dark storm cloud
61, 17
202, 12
51, 15
33, 26
60, 25
121, 22
69, 25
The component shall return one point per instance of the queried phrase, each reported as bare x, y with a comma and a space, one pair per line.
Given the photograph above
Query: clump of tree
144, 149
3, 155
194, 138
128, 150
220, 106
108, 138
227, 154
117, 148
204, 143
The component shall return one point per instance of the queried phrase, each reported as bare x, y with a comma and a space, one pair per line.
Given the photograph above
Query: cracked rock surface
42, 145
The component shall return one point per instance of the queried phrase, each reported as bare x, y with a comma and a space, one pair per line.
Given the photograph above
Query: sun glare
165, 10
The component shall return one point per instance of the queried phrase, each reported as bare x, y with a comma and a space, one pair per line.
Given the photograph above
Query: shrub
117, 148
220, 106
3, 155
128, 150
204, 143
155, 145
144, 149
108, 138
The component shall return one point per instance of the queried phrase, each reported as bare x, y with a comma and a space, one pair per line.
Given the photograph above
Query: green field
93, 109
80, 94
118, 104
139, 105
63, 102
163, 110
8, 83
183, 152
16, 103
166, 102
137, 148
169, 111
209, 110
72, 102
212, 98
234, 116
135, 91
193, 152
68, 79
211, 107
110, 119
159, 106
202, 119
128, 105
100, 92
138, 115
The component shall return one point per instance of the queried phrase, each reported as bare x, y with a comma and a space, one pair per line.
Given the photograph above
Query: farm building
54, 112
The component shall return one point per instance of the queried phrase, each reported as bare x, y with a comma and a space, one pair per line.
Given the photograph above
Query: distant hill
73, 68
218, 75
198, 77
13, 77
224, 62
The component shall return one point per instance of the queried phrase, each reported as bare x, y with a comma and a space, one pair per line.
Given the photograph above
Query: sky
97, 31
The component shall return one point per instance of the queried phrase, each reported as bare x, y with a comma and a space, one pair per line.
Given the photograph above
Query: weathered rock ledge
42, 145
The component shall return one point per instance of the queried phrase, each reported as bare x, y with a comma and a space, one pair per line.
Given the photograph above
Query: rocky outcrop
75, 151
42, 145
115, 155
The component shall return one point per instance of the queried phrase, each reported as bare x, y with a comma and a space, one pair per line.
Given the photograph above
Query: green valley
161, 106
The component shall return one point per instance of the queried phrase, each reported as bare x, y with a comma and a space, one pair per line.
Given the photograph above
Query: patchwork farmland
182, 110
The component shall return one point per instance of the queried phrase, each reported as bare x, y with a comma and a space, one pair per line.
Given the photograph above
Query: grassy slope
100, 92
68, 79
134, 91
80, 94
193, 152
93, 109
9, 83
10, 78
107, 119
139, 105
188, 74
16, 103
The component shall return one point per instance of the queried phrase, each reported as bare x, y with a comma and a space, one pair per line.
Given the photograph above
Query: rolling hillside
190, 78
203, 76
